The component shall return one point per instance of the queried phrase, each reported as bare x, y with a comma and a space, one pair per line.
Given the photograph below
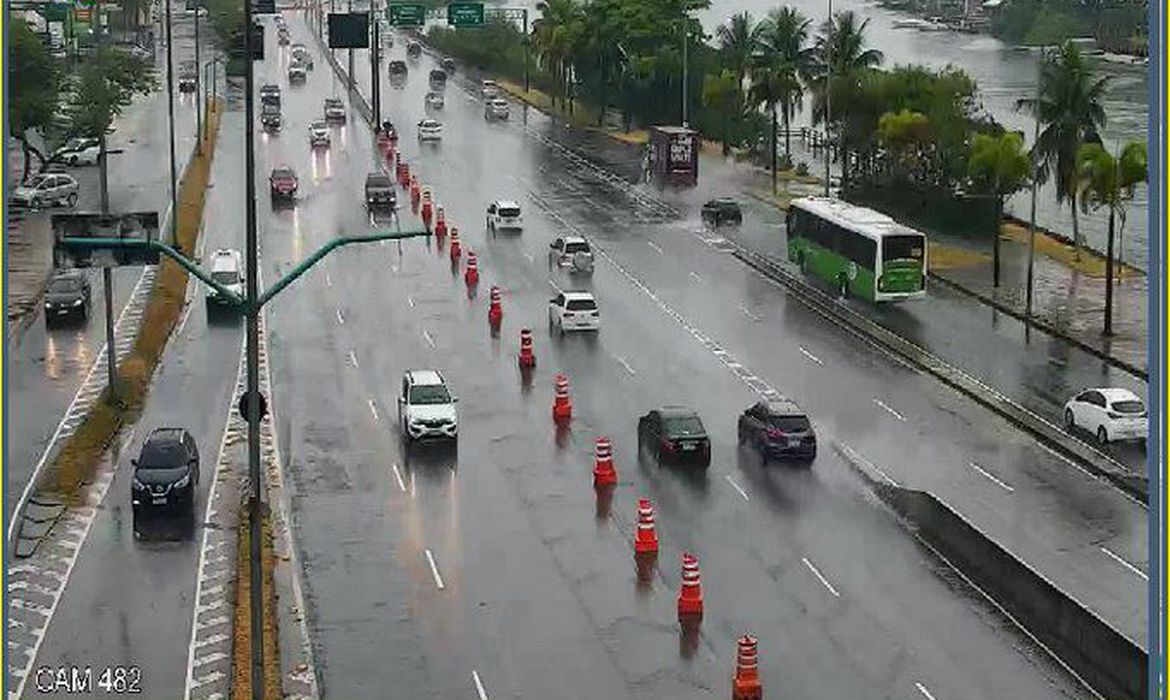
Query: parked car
334, 110
496, 108
227, 268
504, 214
282, 184
85, 151
67, 297
573, 311
426, 408
46, 189
722, 211
319, 135
380, 192
572, 252
674, 434
430, 130
778, 429
1111, 414
166, 474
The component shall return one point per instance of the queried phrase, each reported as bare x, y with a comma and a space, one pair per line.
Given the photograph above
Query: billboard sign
74, 245
349, 30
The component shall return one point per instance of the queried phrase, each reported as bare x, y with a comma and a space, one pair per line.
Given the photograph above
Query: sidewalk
28, 257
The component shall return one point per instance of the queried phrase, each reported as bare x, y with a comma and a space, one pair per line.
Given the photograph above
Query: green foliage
108, 81
1052, 27
1107, 181
1116, 24
497, 46
999, 164
35, 80
227, 22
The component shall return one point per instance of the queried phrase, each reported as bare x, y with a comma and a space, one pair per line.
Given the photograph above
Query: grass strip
75, 464
242, 624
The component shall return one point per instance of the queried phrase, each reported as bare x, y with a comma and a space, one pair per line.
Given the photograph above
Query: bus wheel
843, 288
802, 263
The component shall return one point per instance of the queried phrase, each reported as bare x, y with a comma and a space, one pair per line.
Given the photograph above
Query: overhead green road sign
465, 14
406, 14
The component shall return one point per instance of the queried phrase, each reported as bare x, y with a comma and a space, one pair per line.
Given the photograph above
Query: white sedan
79, 152
430, 130
1110, 414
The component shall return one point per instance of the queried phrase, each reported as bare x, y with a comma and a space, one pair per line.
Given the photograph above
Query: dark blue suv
166, 474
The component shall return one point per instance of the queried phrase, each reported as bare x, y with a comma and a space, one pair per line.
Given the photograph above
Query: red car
282, 183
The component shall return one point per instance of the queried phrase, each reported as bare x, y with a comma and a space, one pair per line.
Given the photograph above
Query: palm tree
554, 37
1069, 109
737, 41
782, 38
998, 166
720, 91
1109, 182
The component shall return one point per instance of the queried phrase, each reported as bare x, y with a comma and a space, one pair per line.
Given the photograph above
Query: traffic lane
1064, 520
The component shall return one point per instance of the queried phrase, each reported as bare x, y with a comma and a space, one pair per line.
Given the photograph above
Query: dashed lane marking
991, 477
736, 486
434, 569
328, 280
410, 300
882, 405
398, 477
373, 408
811, 356
653, 245
340, 317
622, 361
353, 359
820, 577
478, 685
427, 337
922, 689
1115, 557
749, 314
696, 276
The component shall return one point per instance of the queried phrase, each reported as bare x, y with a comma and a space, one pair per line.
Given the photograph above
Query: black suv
722, 211
448, 65
674, 434
380, 193
166, 473
397, 67
778, 429
68, 296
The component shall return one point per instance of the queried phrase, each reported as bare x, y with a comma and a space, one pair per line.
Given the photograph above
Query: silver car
46, 190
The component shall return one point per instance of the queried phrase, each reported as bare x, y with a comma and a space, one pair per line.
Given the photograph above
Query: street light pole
350, 74
686, 36
198, 91
1035, 178
829, 98
171, 119
375, 86
527, 41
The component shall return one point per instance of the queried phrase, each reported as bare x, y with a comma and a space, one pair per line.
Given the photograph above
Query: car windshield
378, 182
1129, 407
319, 126
581, 305
37, 181
577, 247
509, 211
682, 425
226, 276
162, 455
65, 285
429, 394
789, 424
282, 175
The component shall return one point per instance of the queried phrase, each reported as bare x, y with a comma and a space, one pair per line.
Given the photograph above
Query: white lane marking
340, 318
696, 276
882, 404
990, 476
1066, 460
820, 578
427, 337
530, 259
434, 570
655, 247
373, 408
853, 454
410, 300
398, 477
1125, 563
922, 689
183, 321
554, 286
736, 486
328, 280
478, 685
353, 359
622, 361
748, 313
811, 356
412, 492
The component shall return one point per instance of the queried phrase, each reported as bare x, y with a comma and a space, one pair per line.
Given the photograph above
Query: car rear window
581, 305
226, 276
429, 394
509, 211
789, 424
577, 247
682, 425
1133, 408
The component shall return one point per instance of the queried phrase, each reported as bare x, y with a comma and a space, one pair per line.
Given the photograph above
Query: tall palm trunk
787, 128
773, 147
1077, 242
1109, 278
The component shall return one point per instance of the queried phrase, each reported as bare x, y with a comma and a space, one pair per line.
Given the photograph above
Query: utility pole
350, 74
255, 598
108, 285
1035, 179
375, 84
686, 37
527, 40
198, 88
171, 119
829, 98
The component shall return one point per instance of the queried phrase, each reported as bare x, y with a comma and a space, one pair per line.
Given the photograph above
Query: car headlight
182, 483
77, 303
137, 485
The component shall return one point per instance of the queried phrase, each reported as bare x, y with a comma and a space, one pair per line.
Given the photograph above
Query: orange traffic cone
471, 276
562, 410
405, 179
604, 500
527, 357
645, 539
690, 595
746, 685
495, 309
427, 209
604, 473
456, 250
440, 222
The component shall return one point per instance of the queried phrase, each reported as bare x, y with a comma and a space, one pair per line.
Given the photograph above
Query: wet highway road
524, 578
129, 600
47, 366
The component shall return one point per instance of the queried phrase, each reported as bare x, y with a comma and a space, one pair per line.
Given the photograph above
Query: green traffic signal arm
238, 301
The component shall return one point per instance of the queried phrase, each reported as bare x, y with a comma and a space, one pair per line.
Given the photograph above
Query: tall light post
1035, 179
171, 117
829, 97
685, 79
198, 93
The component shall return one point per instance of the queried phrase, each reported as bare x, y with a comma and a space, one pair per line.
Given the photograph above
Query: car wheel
742, 433
561, 328
37, 203
71, 200
1070, 422
843, 288
1102, 436
802, 263
811, 458
73, 160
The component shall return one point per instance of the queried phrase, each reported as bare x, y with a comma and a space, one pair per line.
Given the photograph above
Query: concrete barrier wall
1114, 665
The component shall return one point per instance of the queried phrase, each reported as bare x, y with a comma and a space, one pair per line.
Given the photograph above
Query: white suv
226, 269
1109, 414
426, 408
504, 214
573, 311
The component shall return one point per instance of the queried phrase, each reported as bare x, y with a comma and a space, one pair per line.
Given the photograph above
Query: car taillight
1115, 416
705, 446
667, 446
775, 433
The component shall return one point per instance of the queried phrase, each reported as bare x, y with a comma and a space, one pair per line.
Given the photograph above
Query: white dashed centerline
811, 356
737, 487
695, 275
991, 477
922, 689
748, 313
398, 477
410, 300
820, 578
373, 408
328, 280
427, 337
655, 247
622, 361
353, 358
529, 258
1112, 555
340, 318
478, 686
434, 570
881, 404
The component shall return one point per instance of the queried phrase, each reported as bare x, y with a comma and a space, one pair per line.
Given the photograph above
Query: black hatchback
166, 474
778, 429
68, 296
722, 211
674, 434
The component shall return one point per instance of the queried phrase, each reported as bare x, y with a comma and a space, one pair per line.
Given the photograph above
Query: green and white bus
859, 251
